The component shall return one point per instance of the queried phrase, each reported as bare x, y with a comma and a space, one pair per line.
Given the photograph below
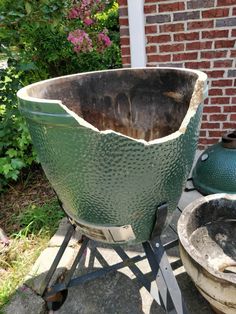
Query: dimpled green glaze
106, 178
216, 173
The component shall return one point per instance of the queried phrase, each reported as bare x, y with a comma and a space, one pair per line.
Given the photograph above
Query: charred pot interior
212, 231
142, 103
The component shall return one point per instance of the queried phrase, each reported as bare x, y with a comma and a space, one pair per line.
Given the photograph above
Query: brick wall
197, 34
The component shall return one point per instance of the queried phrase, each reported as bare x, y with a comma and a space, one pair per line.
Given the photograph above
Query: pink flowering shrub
88, 36
81, 41
83, 9
103, 40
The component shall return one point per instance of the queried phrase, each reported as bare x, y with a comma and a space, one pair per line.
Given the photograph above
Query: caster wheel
55, 301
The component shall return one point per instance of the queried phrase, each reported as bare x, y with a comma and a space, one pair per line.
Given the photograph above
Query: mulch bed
33, 188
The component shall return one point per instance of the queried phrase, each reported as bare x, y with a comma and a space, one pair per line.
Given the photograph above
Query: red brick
220, 100
197, 45
198, 65
185, 56
204, 117
225, 2
125, 51
199, 4
124, 21
158, 39
176, 6
216, 133
147, 1
124, 32
208, 141
233, 54
233, 32
221, 83
124, 41
206, 101
200, 24
202, 133
224, 43
207, 125
211, 109
159, 58
212, 13
215, 34
186, 36
230, 91
218, 117
229, 108
151, 49
178, 27
171, 48
150, 8
223, 63
233, 117
215, 92
151, 29
234, 11
215, 74
233, 100
123, 11
213, 54
126, 60
229, 125
122, 2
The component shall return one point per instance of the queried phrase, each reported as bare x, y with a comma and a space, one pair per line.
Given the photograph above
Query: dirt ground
32, 188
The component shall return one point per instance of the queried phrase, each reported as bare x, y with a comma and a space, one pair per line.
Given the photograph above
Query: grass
37, 225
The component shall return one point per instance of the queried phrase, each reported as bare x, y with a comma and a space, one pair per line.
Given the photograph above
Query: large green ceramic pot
116, 144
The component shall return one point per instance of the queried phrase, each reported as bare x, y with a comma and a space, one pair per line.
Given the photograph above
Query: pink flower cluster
103, 40
81, 41
85, 9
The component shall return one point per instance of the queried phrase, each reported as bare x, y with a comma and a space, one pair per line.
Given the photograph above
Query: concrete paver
25, 301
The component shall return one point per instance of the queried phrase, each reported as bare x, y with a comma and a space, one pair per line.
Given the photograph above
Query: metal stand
170, 295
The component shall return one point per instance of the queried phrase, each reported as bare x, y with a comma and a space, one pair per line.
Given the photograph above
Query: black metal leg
169, 290
76, 261
58, 257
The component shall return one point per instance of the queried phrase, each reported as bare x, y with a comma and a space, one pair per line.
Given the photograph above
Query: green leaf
14, 175
26, 66
17, 163
28, 7
6, 168
11, 152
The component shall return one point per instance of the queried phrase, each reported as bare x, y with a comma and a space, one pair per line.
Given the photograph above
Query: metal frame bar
58, 257
171, 297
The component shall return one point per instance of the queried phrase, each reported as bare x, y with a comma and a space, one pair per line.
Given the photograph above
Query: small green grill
215, 170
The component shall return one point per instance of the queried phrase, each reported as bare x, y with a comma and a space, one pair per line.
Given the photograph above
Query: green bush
15, 144
38, 31
33, 36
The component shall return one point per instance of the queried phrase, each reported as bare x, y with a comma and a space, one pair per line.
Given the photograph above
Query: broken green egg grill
116, 144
